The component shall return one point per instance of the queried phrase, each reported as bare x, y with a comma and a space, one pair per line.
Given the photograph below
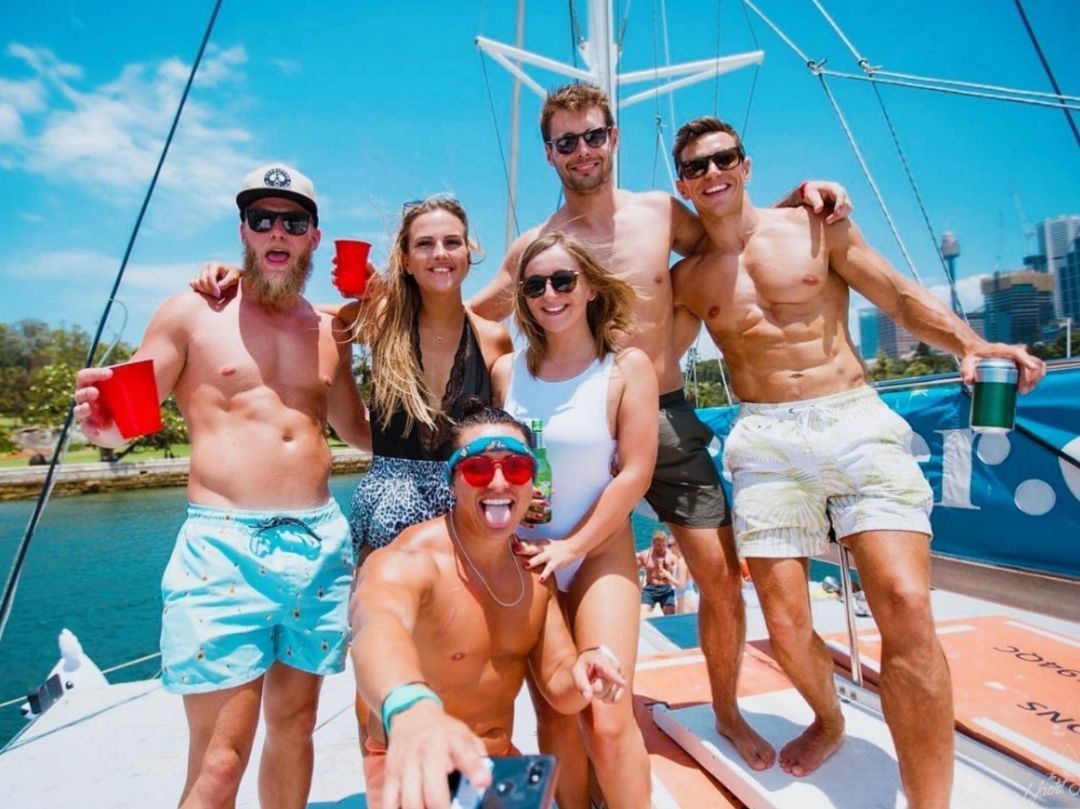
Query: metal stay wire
864, 63
12, 583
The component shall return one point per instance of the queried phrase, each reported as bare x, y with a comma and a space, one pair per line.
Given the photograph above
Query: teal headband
489, 443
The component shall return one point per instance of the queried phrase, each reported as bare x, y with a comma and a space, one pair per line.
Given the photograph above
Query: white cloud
108, 139
75, 282
968, 289
290, 67
32, 217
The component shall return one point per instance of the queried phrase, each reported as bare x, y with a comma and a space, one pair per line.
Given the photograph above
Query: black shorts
662, 594
686, 488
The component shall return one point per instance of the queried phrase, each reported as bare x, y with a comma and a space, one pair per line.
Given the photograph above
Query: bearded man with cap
256, 592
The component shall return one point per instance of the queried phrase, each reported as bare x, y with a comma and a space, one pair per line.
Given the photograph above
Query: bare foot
802, 755
757, 752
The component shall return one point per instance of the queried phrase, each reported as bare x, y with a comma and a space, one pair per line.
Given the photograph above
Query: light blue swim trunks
244, 589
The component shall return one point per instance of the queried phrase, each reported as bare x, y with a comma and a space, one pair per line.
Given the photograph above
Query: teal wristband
403, 697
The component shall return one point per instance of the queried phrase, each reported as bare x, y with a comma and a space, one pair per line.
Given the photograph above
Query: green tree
173, 430
49, 396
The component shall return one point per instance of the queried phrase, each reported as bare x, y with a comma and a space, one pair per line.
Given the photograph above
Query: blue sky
385, 102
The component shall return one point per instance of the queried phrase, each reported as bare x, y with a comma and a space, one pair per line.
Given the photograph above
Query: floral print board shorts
244, 589
797, 466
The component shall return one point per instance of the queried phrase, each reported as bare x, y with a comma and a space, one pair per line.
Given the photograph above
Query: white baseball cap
278, 180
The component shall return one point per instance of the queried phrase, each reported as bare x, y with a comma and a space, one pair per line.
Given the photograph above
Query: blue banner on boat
999, 499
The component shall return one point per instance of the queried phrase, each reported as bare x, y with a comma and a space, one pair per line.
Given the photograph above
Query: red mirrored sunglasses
479, 470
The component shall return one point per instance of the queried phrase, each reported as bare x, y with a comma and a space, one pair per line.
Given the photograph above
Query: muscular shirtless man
773, 291
634, 234
256, 591
447, 624
660, 565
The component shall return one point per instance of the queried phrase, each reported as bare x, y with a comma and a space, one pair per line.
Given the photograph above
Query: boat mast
515, 136
601, 55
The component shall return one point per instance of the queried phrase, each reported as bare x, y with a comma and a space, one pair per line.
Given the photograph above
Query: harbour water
95, 568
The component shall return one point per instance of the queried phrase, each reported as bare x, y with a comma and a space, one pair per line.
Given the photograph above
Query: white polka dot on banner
1068, 471
1035, 497
993, 448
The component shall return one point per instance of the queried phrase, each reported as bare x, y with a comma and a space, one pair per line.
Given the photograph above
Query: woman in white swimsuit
598, 407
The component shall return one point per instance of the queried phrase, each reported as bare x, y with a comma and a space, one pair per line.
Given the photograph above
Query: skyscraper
1068, 282
868, 333
1055, 240
1019, 306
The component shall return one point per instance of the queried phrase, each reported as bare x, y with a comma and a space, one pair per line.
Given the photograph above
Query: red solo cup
351, 275
130, 396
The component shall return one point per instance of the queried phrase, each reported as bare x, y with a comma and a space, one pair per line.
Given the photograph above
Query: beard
585, 184
275, 293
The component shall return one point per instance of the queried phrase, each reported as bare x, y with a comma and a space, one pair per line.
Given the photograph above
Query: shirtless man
773, 293
634, 234
256, 592
661, 566
447, 625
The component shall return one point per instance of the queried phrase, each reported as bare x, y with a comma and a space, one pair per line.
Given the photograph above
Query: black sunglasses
724, 160
561, 281
295, 223
567, 144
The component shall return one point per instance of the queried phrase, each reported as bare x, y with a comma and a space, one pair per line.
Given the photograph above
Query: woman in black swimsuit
428, 356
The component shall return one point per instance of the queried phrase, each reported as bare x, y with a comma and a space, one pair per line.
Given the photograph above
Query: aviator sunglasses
567, 144
561, 281
295, 223
724, 160
478, 469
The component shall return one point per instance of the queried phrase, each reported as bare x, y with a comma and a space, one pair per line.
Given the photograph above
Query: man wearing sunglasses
814, 445
256, 591
634, 235
447, 625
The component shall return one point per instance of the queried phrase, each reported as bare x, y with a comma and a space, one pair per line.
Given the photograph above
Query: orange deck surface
1012, 682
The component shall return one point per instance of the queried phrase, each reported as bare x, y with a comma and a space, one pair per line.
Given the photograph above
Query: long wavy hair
610, 314
389, 323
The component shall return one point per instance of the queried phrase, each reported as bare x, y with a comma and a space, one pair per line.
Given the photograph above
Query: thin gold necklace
479, 575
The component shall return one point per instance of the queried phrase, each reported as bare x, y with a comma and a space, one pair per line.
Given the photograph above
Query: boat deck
125, 745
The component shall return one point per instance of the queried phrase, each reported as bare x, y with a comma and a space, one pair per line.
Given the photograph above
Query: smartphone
517, 782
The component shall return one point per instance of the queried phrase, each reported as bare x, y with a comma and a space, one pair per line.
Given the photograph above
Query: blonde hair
390, 322
609, 314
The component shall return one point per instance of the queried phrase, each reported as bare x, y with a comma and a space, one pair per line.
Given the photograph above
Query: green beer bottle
542, 479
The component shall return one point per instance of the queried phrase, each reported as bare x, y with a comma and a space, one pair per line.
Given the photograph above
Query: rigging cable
1046, 67
864, 63
498, 139
50, 476
757, 71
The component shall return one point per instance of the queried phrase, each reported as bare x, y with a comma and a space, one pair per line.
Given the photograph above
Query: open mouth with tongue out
497, 512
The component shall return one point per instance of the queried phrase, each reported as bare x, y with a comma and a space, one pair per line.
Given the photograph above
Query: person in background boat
660, 566
256, 592
814, 443
686, 594
634, 234
447, 625
428, 356
597, 407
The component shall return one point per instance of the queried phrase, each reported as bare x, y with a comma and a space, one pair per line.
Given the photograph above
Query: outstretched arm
914, 308
496, 300
424, 743
165, 342
345, 407
568, 678
817, 195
